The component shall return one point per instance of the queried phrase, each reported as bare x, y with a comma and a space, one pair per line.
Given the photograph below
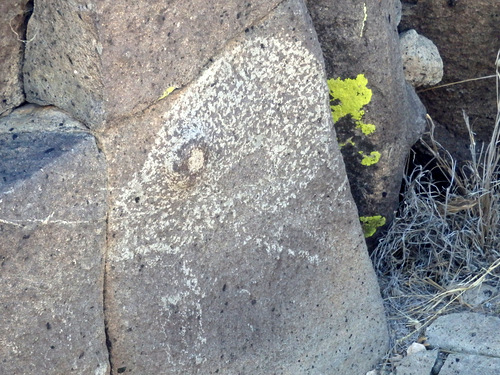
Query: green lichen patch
370, 159
366, 129
351, 95
167, 92
348, 97
371, 223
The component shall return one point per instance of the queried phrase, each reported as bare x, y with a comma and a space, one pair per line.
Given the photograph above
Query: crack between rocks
209, 62
439, 362
109, 347
30, 6
22, 39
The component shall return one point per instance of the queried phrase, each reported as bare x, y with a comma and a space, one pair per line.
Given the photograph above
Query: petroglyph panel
234, 241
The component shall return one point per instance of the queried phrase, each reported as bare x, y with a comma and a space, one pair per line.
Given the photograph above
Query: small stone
415, 348
422, 63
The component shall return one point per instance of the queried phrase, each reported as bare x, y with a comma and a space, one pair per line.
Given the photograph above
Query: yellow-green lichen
167, 92
371, 159
367, 129
350, 96
371, 223
349, 141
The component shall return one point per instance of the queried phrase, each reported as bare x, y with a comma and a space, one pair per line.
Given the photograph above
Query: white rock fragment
422, 63
415, 348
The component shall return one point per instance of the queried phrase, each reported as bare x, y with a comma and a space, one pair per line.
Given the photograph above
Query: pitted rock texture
235, 247
123, 55
53, 229
422, 63
13, 14
417, 363
471, 333
466, 364
361, 38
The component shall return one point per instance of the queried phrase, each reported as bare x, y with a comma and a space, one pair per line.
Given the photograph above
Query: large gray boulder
53, 230
13, 14
362, 56
108, 59
207, 178
234, 242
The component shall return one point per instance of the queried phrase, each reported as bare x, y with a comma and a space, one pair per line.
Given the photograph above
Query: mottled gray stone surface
422, 63
471, 333
108, 59
486, 296
235, 247
420, 363
12, 29
52, 225
467, 364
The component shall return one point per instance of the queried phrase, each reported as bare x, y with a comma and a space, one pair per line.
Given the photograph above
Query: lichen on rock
348, 97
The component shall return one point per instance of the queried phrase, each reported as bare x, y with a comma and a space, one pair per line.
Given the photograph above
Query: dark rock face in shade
361, 38
13, 16
466, 34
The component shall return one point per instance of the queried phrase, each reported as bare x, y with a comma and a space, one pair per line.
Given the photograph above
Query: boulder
378, 115
417, 363
466, 35
123, 56
53, 229
422, 63
13, 15
234, 242
466, 364
471, 333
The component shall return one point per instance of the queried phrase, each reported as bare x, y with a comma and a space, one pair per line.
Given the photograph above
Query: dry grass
445, 239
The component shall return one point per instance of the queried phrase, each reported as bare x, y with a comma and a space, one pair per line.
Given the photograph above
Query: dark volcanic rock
13, 15
110, 59
53, 230
467, 36
360, 38
235, 246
